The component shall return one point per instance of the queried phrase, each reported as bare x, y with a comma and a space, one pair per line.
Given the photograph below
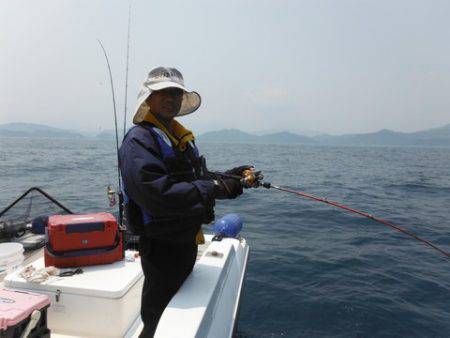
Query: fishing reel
111, 194
251, 178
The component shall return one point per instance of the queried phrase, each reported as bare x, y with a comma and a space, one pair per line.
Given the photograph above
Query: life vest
181, 166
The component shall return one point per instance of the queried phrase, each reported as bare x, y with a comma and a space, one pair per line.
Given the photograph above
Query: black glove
227, 188
238, 170
205, 173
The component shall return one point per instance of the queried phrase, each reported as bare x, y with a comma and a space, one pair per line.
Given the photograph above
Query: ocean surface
314, 270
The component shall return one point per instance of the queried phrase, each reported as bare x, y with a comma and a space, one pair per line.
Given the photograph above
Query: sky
332, 66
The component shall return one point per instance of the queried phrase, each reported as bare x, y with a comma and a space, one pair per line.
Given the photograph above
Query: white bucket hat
161, 78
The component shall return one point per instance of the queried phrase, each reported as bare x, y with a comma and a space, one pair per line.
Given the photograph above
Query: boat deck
33, 255
205, 306
202, 248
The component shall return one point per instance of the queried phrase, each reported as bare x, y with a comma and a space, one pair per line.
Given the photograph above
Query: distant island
33, 130
238, 136
431, 137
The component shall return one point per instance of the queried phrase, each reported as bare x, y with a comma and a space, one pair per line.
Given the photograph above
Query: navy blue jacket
167, 198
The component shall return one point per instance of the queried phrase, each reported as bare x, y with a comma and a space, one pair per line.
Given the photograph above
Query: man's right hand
227, 188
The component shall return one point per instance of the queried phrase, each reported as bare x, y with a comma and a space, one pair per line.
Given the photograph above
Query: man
168, 192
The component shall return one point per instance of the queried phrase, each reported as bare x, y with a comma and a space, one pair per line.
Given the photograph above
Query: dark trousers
166, 265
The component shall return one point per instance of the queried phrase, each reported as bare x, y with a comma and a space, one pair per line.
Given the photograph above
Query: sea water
314, 270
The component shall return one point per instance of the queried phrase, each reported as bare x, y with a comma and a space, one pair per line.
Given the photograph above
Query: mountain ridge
34, 130
439, 136
239, 136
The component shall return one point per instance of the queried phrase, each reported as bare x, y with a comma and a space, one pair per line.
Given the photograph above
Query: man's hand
227, 188
237, 171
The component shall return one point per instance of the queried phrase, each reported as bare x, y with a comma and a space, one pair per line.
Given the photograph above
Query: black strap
218, 237
70, 273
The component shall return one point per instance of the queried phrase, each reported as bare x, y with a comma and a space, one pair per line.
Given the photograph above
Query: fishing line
268, 185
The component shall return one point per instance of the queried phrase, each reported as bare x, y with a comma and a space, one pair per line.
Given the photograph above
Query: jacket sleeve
147, 182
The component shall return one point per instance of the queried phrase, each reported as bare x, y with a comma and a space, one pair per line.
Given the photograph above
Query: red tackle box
81, 240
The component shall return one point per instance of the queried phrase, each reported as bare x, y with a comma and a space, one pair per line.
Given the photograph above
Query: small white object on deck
11, 256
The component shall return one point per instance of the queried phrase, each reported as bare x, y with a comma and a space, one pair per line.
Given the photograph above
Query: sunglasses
172, 91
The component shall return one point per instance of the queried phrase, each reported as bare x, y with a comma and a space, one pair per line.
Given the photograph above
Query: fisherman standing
168, 192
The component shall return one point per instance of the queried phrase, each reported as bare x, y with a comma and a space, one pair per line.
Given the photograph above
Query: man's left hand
237, 171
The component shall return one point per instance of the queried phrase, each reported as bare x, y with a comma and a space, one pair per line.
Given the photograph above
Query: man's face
166, 103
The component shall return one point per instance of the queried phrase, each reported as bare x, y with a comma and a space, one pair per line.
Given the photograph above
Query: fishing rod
254, 179
126, 74
358, 212
117, 134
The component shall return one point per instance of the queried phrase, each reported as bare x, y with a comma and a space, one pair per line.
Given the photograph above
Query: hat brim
191, 100
163, 85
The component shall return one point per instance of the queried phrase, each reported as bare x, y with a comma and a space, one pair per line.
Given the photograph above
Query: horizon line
255, 133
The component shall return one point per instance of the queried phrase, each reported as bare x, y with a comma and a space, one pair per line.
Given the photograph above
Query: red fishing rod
358, 212
253, 179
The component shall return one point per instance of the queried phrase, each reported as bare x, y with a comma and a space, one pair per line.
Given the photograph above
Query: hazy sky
335, 66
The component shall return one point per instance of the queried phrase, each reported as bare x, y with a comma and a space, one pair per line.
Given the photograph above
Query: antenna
126, 74
115, 124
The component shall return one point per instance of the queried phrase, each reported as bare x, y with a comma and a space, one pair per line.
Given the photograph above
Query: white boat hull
207, 303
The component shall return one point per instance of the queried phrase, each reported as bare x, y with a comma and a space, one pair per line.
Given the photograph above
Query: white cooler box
103, 301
